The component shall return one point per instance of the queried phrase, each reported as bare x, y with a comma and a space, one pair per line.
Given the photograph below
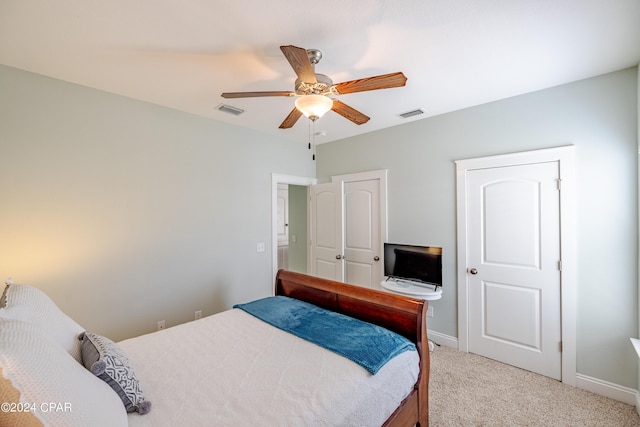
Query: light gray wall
127, 213
598, 116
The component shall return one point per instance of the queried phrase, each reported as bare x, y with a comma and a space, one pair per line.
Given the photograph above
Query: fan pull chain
313, 136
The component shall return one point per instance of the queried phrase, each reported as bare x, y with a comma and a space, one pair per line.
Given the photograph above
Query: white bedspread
232, 369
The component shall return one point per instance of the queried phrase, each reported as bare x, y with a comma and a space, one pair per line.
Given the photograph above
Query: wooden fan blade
256, 94
349, 113
384, 81
291, 119
300, 63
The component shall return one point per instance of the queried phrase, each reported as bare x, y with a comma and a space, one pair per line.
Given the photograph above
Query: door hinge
559, 184
560, 346
560, 265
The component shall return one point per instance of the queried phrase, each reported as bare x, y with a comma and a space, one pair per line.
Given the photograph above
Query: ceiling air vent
229, 109
411, 113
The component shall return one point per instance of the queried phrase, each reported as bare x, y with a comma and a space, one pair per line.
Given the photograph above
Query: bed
227, 369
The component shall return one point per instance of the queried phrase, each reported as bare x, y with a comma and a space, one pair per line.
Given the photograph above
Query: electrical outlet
197, 315
430, 311
161, 325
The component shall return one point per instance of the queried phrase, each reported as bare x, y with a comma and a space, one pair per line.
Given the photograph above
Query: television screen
421, 264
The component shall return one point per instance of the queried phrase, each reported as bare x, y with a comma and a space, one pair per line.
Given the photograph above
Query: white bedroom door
513, 265
326, 237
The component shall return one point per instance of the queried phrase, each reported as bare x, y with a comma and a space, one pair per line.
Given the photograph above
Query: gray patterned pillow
3, 298
108, 362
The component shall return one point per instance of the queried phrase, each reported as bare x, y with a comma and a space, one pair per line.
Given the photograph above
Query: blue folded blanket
368, 345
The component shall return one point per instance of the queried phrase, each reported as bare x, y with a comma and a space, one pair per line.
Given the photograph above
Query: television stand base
410, 289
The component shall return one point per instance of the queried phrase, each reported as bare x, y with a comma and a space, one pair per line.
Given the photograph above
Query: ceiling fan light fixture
314, 106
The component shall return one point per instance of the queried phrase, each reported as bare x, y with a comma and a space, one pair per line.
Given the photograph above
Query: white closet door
326, 231
362, 245
348, 228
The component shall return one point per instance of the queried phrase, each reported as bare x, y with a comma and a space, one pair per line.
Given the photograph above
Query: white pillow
30, 304
61, 390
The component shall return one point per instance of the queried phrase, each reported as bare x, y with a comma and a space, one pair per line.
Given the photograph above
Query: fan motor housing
323, 86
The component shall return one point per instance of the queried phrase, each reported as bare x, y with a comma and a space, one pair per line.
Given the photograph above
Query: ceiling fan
314, 90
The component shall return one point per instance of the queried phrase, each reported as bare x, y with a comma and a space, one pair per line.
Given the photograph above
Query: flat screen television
419, 264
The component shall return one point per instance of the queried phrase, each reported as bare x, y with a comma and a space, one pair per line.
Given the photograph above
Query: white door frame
276, 179
565, 157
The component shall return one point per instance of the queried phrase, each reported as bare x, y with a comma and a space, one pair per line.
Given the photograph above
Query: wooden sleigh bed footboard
403, 315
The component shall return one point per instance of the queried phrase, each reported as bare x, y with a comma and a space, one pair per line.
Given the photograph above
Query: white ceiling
455, 53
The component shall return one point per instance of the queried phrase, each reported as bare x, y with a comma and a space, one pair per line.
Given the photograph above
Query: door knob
376, 258
473, 271
338, 256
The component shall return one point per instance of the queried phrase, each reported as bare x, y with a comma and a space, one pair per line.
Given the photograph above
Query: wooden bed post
425, 366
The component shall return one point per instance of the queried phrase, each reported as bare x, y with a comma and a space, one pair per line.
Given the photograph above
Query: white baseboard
607, 389
594, 385
442, 339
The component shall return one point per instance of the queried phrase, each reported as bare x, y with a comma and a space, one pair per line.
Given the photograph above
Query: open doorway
292, 227
297, 213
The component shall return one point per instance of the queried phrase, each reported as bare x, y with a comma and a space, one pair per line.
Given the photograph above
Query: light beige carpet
469, 390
